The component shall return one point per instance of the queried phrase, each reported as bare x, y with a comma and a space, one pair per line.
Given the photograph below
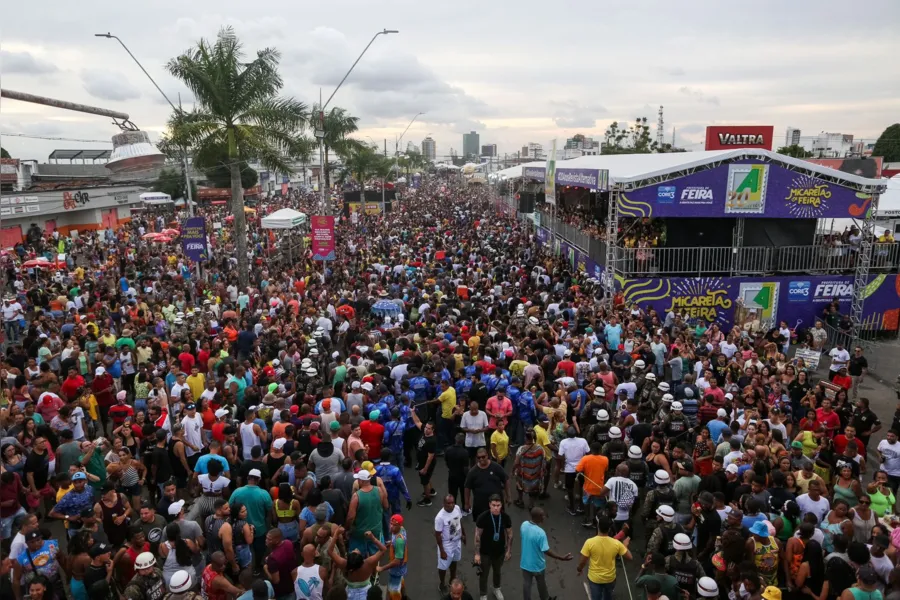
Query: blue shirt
613, 336
534, 544
248, 595
74, 502
393, 481
716, 427
201, 467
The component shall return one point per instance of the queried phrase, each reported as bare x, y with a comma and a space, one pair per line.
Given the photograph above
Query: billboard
864, 167
745, 188
594, 179
193, 239
734, 137
550, 177
322, 235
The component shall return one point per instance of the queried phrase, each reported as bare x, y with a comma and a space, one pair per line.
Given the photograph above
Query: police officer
615, 449
682, 565
675, 425
645, 392
637, 467
600, 431
663, 538
661, 495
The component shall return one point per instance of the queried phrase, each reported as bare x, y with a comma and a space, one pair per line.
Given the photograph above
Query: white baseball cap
279, 443
615, 433
729, 396
368, 386
661, 477
721, 413
221, 413
634, 452
255, 473
732, 468
176, 507
666, 512
682, 542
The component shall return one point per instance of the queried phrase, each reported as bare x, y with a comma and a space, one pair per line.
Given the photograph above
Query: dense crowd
174, 434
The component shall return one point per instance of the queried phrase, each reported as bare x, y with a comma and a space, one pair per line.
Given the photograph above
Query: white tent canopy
286, 218
889, 202
155, 198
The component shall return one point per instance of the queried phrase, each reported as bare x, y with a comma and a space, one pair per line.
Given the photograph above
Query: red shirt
11, 492
187, 361
202, 360
119, 412
101, 383
831, 421
218, 432
567, 366
718, 394
841, 442
70, 386
845, 382
486, 367
372, 434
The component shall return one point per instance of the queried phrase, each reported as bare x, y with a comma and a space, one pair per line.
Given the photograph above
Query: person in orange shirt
230, 332
592, 469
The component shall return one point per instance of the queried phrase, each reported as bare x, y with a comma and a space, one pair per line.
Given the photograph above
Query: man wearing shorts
450, 537
593, 469
397, 560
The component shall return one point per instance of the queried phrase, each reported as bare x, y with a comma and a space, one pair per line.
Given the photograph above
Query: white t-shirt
623, 491
192, 435
470, 421
573, 450
727, 349
891, 454
449, 525
819, 508
76, 420
213, 487
839, 358
11, 311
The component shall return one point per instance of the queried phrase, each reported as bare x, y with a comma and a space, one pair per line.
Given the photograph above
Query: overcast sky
516, 72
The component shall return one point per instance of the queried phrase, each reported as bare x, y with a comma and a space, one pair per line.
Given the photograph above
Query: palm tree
339, 125
362, 163
237, 108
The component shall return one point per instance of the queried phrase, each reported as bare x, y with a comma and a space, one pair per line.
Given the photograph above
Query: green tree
171, 182
888, 144
237, 108
633, 139
794, 150
339, 125
361, 164
219, 174
4, 153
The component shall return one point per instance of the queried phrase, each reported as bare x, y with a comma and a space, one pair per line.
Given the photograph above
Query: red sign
734, 137
322, 234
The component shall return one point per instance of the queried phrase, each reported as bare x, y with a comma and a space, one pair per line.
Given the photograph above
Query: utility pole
385, 147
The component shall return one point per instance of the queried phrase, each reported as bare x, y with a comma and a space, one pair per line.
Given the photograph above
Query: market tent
155, 198
286, 218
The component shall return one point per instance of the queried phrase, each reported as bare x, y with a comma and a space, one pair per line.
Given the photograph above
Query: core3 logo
798, 291
665, 194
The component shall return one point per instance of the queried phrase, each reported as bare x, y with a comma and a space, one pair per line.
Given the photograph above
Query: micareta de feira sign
322, 234
193, 239
594, 179
746, 189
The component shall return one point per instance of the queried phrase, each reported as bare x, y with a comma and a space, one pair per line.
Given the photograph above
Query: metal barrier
694, 261
833, 259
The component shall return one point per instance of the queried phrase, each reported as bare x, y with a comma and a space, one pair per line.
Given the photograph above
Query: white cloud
24, 63
108, 85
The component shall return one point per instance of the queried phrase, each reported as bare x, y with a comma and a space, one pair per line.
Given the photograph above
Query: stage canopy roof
633, 168
286, 218
889, 203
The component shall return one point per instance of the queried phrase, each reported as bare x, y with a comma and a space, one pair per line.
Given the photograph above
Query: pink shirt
496, 406
48, 406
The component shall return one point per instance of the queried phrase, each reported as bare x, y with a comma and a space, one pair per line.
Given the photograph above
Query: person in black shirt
37, 466
493, 543
858, 368
160, 465
457, 458
708, 525
425, 462
864, 419
486, 479
99, 570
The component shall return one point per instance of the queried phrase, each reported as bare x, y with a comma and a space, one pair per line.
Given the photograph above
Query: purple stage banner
193, 239
594, 179
798, 301
745, 189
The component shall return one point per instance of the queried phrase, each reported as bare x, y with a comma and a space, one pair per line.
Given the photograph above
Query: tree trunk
240, 225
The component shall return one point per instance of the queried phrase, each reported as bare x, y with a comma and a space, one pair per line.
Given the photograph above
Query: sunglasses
861, 503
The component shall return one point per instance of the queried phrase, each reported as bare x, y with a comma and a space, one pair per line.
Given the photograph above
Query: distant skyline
817, 66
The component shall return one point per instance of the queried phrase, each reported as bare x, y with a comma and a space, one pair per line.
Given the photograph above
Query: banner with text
550, 177
323, 243
193, 239
745, 189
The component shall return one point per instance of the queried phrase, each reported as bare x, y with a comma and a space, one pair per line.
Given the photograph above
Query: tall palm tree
339, 125
237, 108
362, 163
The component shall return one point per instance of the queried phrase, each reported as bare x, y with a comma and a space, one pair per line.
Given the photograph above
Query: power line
55, 139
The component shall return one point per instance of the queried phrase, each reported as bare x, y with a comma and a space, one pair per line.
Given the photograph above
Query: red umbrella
38, 263
170, 232
150, 236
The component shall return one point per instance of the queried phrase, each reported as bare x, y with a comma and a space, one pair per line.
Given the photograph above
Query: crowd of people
169, 434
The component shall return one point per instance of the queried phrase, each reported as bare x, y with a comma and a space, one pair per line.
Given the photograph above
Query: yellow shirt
109, 340
602, 551
543, 440
59, 496
448, 402
501, 440
517, 367
474, 342
93, 408
196, 383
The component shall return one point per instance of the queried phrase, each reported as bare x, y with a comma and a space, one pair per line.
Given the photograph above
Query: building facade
534, 151
471, 144
489, 150
429, 148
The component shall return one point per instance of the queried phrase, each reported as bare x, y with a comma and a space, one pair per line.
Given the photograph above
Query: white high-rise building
792, 137
429, 148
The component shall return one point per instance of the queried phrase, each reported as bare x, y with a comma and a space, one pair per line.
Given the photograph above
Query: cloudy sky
516, 72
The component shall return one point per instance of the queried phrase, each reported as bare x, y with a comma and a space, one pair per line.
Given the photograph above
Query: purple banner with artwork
764, 301
745, 189
193, 239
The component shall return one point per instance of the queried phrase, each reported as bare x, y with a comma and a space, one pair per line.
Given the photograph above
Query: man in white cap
682, 565
148, 582
708, 588
663, 538
675, 424
260, 510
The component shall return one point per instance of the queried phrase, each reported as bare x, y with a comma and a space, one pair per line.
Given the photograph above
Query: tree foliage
237, 108
363, 163
631, 139
219, 174
4, 153
794, 150
171, 182
339, 125
888, 144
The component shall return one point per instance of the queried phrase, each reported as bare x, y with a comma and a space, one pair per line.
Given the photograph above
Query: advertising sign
763, 302
734, 137
322, 234
193, 239
810, 358
745, 188
594, 179
533, 173
864, 167
550, 177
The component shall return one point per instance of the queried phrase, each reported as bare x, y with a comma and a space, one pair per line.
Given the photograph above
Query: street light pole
320, 132
187, 177
400, 139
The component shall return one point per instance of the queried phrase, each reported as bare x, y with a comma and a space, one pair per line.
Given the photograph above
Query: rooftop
80, 155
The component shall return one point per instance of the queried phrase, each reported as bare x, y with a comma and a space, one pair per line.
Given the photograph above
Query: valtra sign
733, 137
